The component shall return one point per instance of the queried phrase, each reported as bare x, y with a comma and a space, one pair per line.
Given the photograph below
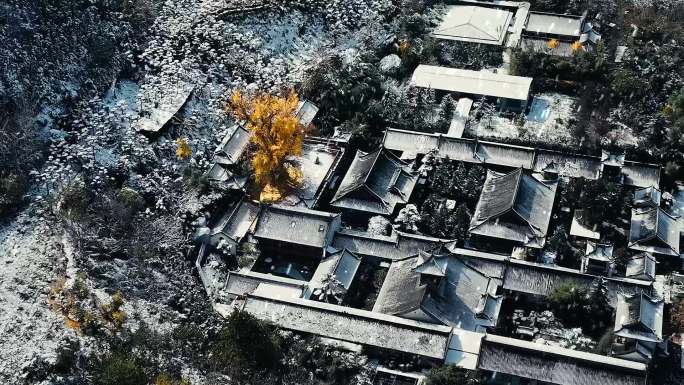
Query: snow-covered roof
353, 325
232, 146
639, 317
551, 364
317, 162
375, 182
514, 195
473, 23
553, 24
642, 266
296, 225
341, 264
306, 112
460, 117
472, 82
396, 246
655, 231
411, 143
577, 229
237, 221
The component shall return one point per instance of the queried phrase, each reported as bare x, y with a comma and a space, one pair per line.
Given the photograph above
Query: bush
131, 199
451, 375
246, 344
119, 368
12, 190
74, 201
569, 303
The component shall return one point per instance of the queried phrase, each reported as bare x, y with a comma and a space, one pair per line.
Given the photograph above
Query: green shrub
246, 344
12, 190
74, 201
131, 199
119, 368
451, 375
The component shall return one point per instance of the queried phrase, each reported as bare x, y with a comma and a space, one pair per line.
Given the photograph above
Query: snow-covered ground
32, 256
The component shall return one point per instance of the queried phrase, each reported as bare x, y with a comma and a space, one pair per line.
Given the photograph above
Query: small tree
331, 290
677, 316
276, 132
119, 368
379, 225
569, 303
246, 344
183, 150
407, 219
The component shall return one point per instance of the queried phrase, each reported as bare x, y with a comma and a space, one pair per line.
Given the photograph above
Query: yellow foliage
270, 194
183, 150
276, 132
112, 312
576, 46
404, 48
667, 111
553, 43
165, 379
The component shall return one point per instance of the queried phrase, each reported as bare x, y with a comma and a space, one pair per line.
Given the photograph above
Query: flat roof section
474, 24
553, 24
472, 82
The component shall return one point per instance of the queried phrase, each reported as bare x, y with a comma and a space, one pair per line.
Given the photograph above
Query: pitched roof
646, 196
639, 317
396, 246
474, 23
653, 230
237, 221
550, 364
641, 267
375, 182
401, 291
232, 146
296, 225
599, 251
514, 206
465, 298
472, 82
342, 264
411, 143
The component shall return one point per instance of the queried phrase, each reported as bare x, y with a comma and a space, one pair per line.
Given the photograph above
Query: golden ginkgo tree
277, 135
552, 43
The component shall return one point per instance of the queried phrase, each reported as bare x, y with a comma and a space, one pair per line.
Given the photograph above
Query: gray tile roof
353, 325
639, 317
411, 143
297, 225
556, 365
342, 264
464, 297
655, 231
232, 146
641, 267
237, 221
397, 246
647, 196
566, 164
401, 291
375, 182
541, 279
514, 206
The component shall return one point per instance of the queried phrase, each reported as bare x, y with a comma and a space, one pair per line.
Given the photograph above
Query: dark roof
237, 221
375, 182
232, 146
411, 143
342, 264
556, 365
296, 225
514, 206
397, 246
639, 317
541, 279
647, 196
653, 230
641, 267
401, 290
